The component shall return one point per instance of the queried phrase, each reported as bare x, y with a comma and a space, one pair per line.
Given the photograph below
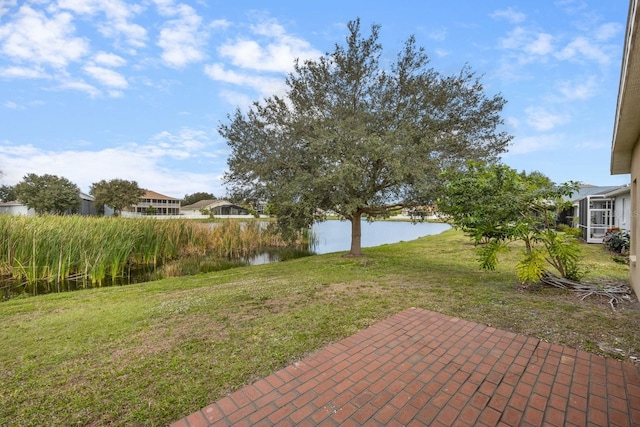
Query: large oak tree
48, 194
360, 136
116, 193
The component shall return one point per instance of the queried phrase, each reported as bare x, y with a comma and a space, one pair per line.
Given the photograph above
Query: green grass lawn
152, 353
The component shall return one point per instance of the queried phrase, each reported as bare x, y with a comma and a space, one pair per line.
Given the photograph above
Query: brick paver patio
420, 368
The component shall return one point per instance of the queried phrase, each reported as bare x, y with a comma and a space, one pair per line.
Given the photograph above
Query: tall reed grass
52, 249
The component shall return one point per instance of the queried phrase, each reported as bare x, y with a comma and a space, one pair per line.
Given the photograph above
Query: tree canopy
495, 205
357, 137
48, 194
116, 193
7, 193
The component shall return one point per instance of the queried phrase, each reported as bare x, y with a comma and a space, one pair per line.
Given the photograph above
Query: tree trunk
356, 234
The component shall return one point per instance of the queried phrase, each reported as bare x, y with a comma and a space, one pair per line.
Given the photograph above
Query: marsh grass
149, 354
43, 252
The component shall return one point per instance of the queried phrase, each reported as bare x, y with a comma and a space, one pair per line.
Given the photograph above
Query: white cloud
106, 76
592, 145
438, 35
235, 98
513, 122
119, 15
13, 106
115, 93
23, 73
266, 48
109, 59
265, 86
509, 14
220, 23
528, 42
442, 53
580, 48
5, 5
218, 72
36, 38
272, 50
186, 143
541, 45
182, 39
151, 164
530, 144
607, 31
80, 86
578, 90
542, 120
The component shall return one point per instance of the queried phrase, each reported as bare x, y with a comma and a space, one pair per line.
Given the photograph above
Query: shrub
617, 240
570, 231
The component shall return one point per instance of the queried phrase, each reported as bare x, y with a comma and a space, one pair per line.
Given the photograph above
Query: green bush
570, 231
617, 240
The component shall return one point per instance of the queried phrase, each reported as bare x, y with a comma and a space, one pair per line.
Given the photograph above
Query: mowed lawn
152, 353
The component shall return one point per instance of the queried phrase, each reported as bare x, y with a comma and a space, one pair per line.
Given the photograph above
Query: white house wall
622, 210
17, 210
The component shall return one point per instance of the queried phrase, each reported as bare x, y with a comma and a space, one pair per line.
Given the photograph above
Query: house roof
153, 195
209, 204
618, 191
592, 190
202, 204
12, 203
626, 130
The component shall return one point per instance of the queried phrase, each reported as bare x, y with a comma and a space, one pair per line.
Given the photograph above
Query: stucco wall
635, 230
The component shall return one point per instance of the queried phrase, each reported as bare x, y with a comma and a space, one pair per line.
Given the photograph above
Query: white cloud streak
530, 144
109, 59
542, 120
106, 76
509, 14
578, 90
23, 73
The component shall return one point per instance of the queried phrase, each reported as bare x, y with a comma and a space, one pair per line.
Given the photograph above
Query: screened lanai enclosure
596, 216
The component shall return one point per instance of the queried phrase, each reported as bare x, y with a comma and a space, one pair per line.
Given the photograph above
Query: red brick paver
424, 368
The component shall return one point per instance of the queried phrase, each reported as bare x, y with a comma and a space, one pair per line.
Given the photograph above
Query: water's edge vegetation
56, 253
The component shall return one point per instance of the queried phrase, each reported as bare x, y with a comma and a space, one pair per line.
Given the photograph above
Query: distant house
152, 203
215, 207
87, 204
595, 209
87, 207
15, 208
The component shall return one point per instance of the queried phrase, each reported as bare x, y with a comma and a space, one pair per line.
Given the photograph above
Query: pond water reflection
335, 236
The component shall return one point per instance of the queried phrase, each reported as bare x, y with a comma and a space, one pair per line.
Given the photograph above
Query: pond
335, 236
328, 236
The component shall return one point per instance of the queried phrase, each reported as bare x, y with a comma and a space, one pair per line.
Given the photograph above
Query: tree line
51, 194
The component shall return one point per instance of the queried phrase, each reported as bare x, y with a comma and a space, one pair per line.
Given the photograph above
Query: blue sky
103, 89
